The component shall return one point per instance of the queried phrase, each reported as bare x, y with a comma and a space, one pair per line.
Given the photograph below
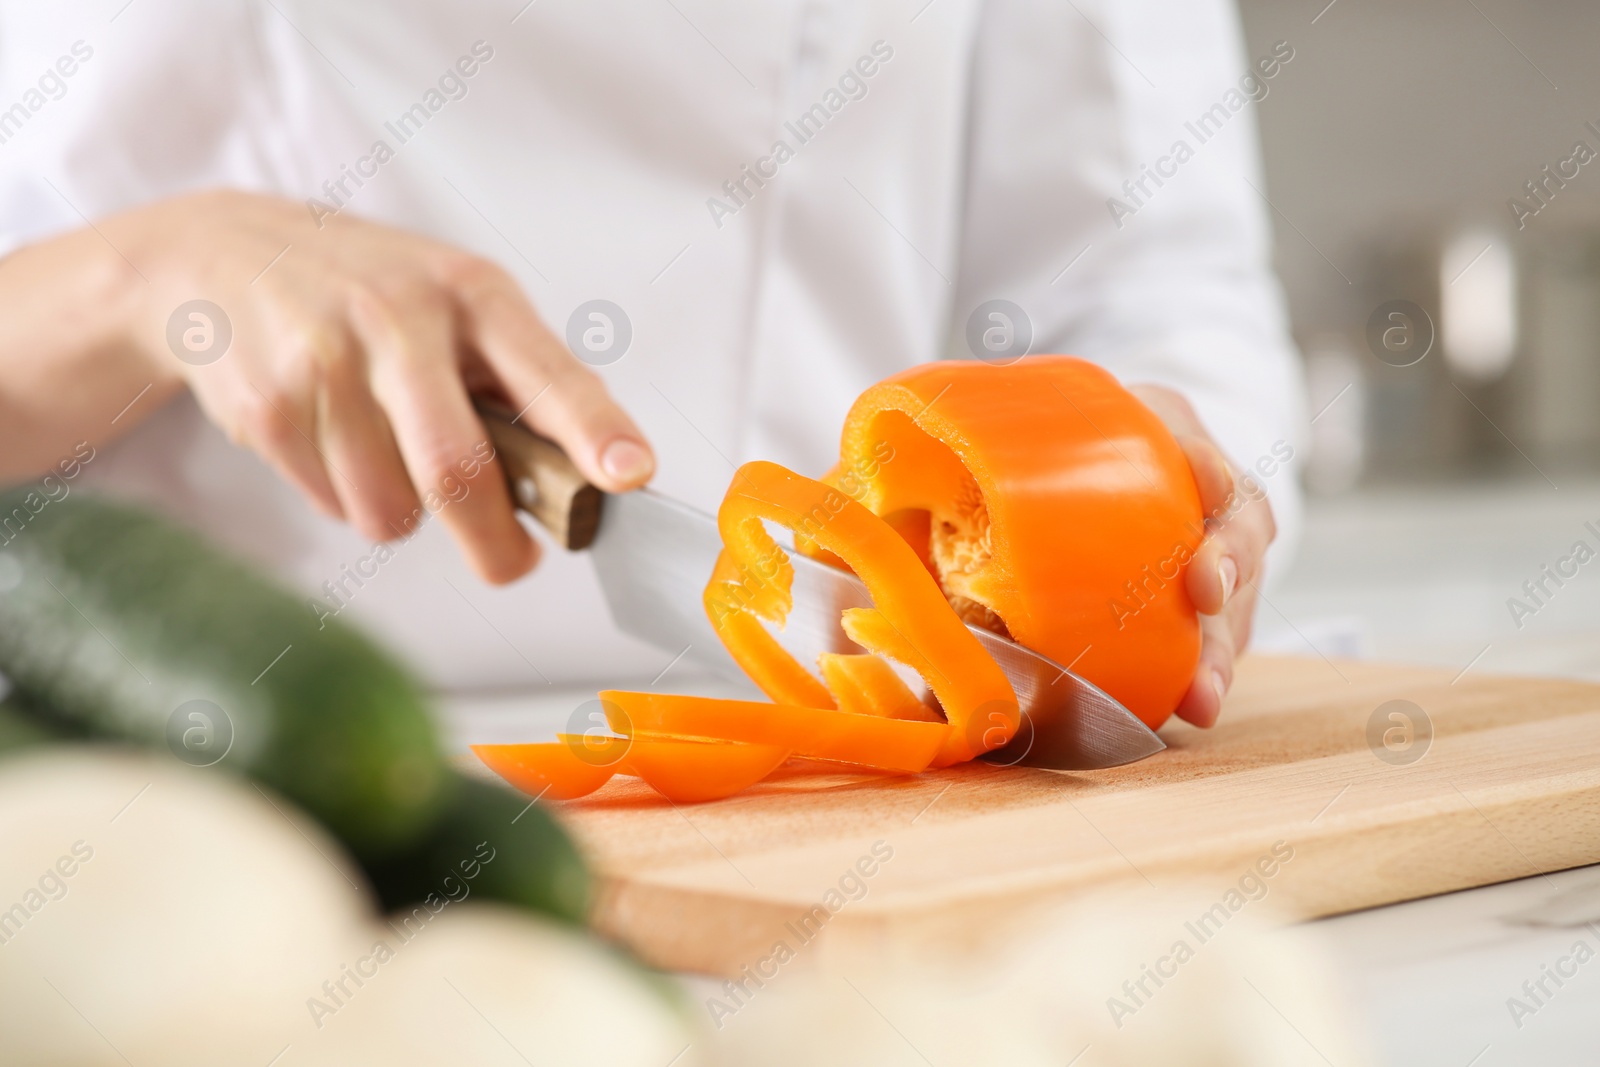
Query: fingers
280, 430
415, 378
370, 475
1239, 524
1211, 474
1214, 573
1222, 577
1220, 643
1169, 405
556, 394
1231, 557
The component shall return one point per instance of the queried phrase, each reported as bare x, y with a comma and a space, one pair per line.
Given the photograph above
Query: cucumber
114, 621
118, 620
21, 727
490, 842
487, 841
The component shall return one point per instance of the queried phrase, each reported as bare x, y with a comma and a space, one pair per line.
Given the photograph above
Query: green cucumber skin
535, 864
121, 616
22, 727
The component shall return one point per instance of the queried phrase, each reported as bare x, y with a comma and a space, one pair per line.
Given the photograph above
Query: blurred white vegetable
201, 921
486, 985
1098, 984
195, 917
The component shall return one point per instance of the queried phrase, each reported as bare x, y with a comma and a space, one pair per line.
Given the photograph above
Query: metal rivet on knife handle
543, 481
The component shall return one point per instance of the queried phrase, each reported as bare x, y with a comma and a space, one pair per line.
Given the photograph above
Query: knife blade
653, 556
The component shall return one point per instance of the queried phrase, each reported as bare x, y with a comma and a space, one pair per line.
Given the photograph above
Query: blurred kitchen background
1395, 145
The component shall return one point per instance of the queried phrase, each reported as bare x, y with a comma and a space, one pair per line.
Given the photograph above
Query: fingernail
628, 461
1218, 684
1228, 574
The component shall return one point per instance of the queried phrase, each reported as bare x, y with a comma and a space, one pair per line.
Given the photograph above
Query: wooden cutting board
1508, 786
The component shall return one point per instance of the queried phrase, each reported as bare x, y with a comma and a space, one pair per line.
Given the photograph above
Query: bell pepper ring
684, 771
867, 685
873, 741
910, 620
547, 769
693, 772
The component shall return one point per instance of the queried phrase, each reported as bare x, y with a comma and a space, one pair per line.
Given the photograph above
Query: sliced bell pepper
692, 772
776, 673
965, 493
867, 685
1061, 512
910, 621
867, 740
682, 770
550, 769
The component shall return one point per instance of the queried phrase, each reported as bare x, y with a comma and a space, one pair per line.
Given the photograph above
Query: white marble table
1433, 979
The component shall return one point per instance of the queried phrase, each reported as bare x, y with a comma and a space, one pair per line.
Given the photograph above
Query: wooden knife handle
543, 481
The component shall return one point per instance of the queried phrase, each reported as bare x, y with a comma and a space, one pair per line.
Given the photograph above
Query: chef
260, 255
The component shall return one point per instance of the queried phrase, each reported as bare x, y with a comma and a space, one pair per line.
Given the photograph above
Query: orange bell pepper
910, 621
682, 770
867, 685
692, 772
554, 769
1040, 500
1061, 512
820, 733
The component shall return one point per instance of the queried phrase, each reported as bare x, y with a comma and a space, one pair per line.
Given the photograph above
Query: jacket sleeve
1114, 194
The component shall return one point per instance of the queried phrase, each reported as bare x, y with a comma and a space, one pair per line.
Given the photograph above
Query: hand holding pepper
1223, 575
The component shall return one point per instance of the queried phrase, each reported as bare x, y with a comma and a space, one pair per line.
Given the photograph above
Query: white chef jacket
601, 150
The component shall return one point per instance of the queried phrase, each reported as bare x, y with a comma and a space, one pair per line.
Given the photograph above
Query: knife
654, 555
